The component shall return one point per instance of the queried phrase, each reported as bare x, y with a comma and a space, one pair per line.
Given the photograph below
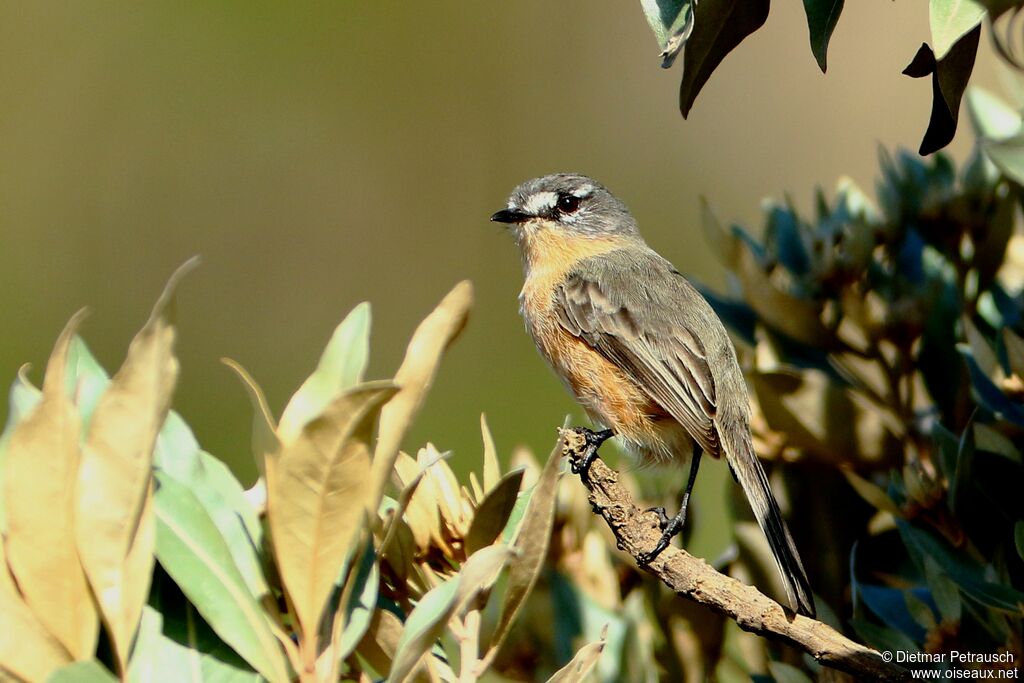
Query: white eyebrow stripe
583, 191
536, 203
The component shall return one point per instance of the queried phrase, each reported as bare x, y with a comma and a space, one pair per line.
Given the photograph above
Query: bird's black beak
511, 216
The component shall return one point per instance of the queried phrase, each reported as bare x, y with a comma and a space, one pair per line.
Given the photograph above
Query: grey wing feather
645, 341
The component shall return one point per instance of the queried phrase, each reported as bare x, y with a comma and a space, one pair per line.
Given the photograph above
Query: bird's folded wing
649, 345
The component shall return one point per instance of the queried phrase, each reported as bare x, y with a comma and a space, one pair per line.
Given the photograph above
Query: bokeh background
320, 154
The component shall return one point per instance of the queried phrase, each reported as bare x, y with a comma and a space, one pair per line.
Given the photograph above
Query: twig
692, 578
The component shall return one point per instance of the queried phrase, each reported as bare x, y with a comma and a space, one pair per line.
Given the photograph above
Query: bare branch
692, 578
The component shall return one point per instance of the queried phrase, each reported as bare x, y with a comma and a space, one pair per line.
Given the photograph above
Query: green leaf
993, 118
720, 25
672, 23
787, 673
944, 591
179, 647
967, 573
361, 604
949, 78
178, 455
82, 672
987, 393
341, 367
493, 513
86, 378
1007, 155
919, 610
883, 638
822, 17
872, 493
193, 552
583, 663
950, 20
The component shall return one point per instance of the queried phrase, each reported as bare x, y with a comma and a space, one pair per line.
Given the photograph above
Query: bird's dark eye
568, 203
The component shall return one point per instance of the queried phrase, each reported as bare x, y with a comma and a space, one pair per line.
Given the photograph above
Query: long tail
739, 452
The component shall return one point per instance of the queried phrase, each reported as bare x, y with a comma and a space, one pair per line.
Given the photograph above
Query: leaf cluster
704, 33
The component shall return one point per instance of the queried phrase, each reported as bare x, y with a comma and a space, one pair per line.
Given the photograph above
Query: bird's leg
594, 440
672, 526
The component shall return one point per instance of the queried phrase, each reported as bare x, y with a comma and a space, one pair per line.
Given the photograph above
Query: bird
639, 348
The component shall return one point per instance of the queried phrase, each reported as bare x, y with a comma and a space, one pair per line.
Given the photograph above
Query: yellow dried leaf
449, 501
317, 499
41, 477
420, 511
116, 474
422, 357
26, 649
492, 469
264, 430
583, 663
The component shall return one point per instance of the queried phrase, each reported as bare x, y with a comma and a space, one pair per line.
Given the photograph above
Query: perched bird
639, 348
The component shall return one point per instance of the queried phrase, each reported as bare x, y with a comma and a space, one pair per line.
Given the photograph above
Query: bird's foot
593, 440
670, 528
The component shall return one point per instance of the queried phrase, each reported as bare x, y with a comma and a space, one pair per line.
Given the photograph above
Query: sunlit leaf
21, 399
822, 17
341, 367
183, 649
672, 23
950, 20
265, 443
581, 666
430, 617
86, 379
195, 555
116, 472
492, 468
422, 357
41, 480
719, 26
318, 496
493, 512
82, 672
26, 649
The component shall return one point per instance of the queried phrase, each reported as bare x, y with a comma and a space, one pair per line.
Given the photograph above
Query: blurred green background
321, 154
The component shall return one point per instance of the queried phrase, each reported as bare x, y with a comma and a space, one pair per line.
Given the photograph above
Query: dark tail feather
747, 469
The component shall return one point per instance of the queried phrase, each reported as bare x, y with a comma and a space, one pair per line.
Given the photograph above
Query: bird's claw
663, 518
593, 440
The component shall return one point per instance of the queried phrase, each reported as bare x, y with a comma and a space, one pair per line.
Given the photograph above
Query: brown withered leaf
493, 512
27, 650
422, 357
577, 670
531, 542
317, 498
42, 475
264, 429
492, 469
115, 481
380, 642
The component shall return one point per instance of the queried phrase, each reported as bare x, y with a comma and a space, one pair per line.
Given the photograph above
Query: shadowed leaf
949, 78
354, 617
195, 555
318, 495
719, 26
114, 536
422, 357
21, 399
41, 478
341, 367
493, 512
672, 23
822, 17
531, 542
428, 620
